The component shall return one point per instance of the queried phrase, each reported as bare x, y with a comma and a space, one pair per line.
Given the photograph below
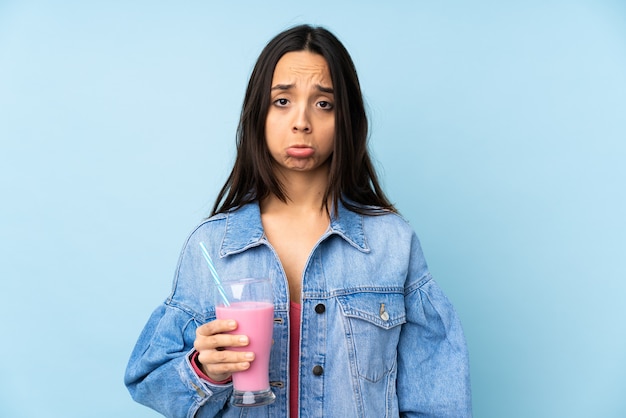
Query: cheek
270, 128
329, 135
274, 124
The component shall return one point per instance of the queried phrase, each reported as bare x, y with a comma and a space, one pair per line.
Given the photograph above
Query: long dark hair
352, 177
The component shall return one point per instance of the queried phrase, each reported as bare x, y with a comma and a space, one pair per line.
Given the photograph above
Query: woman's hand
217, 362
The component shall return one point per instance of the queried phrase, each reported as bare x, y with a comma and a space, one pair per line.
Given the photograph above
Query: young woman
361, 328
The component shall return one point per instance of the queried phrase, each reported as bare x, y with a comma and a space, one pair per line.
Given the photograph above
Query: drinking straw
216, 277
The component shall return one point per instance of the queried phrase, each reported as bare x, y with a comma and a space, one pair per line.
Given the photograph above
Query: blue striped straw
216, 277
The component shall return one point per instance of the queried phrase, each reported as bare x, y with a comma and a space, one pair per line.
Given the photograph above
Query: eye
282, 102
325, 105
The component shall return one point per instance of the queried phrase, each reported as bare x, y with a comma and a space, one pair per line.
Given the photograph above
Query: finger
220, 341
226, 361
225, 357
216, 326
222, 371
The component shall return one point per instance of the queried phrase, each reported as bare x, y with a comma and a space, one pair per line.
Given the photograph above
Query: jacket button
318, 370
320, 308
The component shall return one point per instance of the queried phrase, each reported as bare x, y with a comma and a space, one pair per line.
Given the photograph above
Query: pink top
294, 356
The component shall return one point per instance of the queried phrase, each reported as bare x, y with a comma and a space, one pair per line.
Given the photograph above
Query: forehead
302, 64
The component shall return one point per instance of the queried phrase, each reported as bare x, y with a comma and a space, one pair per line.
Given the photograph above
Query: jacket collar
244, 229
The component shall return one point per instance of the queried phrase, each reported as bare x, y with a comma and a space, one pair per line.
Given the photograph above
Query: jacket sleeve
433, 362
160, 375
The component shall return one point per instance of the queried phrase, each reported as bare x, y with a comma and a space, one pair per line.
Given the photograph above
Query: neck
304, 190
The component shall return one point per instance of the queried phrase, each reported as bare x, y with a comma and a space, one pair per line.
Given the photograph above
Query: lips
300, 151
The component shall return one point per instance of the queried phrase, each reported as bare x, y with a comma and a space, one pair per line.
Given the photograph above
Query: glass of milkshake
250, 303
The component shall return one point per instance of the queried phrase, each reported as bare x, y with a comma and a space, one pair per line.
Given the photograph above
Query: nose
302, 123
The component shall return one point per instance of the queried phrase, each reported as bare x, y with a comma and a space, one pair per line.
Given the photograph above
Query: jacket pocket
372, 324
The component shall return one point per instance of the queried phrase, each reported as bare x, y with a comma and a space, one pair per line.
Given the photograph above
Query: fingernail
243, 340
249, 356
232, 324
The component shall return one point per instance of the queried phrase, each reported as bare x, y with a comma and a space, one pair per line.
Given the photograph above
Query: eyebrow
284, 87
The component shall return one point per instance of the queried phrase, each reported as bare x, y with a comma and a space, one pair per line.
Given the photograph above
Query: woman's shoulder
235, 220
373, 215
388, 221
206, 225
380, 215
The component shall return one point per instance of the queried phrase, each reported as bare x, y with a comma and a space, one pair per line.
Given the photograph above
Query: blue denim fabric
389, 342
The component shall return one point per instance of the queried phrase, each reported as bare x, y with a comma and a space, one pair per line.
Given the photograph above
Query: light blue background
499, 129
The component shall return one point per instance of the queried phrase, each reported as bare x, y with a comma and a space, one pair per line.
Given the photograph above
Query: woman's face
300, 125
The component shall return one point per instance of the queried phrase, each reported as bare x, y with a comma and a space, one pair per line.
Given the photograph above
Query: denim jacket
378, 336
